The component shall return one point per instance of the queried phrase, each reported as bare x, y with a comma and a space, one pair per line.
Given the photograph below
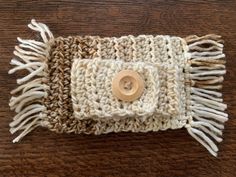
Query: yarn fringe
206, 67
30, 55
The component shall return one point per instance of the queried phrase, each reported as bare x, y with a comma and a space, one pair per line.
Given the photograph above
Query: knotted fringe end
205, 70
30, 55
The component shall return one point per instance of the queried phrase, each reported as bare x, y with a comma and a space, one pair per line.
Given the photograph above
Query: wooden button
127, 85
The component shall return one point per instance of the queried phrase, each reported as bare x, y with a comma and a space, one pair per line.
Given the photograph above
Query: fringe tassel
31, 56
205, 70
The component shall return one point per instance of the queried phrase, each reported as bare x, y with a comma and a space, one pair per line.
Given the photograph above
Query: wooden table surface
166, 153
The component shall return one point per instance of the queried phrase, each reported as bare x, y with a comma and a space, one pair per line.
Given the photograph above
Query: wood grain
166, 153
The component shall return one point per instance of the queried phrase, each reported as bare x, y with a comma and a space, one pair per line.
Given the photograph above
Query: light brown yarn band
190, 71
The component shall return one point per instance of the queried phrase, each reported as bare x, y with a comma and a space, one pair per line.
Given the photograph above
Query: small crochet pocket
92, 91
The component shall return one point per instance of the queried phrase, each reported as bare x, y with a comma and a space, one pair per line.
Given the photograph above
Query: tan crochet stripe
64, 50
58, 103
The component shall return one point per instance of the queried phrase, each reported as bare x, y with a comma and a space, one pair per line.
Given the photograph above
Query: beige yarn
68, 88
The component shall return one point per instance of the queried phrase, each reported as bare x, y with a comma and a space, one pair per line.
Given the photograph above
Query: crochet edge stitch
205, 68
27, 99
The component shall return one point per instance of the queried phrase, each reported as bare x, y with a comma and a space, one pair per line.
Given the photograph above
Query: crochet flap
93, 97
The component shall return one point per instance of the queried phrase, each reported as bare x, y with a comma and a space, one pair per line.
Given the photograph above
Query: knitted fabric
68, 88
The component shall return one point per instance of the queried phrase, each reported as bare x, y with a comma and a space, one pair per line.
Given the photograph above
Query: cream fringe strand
204, 71
30, 55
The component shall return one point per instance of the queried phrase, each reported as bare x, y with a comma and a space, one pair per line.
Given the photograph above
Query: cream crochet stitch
68, 88
91, 89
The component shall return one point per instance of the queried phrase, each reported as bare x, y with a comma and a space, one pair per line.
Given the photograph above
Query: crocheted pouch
71, 85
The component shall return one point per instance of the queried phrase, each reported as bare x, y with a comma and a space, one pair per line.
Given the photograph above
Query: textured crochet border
204, 70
